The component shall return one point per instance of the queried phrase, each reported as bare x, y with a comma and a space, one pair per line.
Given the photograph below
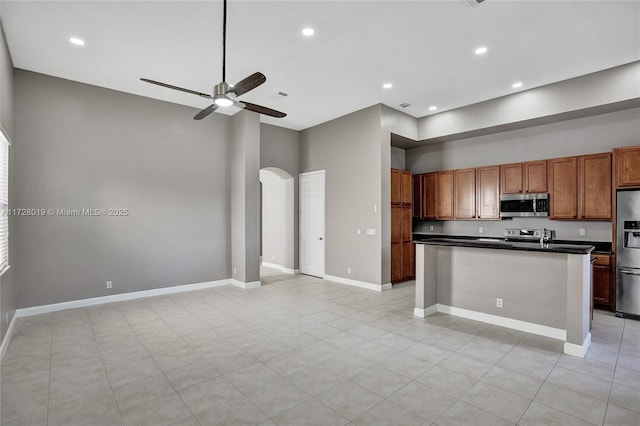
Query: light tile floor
303, 351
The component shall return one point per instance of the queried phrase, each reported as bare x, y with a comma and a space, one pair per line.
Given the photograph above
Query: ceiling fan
224, 94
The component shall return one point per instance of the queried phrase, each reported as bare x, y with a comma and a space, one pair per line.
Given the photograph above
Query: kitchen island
544, 289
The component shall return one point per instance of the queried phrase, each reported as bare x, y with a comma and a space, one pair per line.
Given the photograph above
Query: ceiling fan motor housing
221, 89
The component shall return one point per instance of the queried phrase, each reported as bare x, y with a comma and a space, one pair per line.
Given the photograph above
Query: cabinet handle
594, 260
629, 272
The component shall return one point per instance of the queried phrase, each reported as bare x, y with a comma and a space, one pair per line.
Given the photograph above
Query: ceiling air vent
473, 3
405, 105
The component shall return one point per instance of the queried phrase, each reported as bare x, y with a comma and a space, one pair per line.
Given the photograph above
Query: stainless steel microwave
524, 205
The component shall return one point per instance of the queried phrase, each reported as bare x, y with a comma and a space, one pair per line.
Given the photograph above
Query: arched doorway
277, 220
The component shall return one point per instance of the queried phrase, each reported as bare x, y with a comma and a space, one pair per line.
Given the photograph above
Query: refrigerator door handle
622, 271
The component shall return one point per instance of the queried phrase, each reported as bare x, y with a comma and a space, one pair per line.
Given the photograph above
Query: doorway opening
277, 248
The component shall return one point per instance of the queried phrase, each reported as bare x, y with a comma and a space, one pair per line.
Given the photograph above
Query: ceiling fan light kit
224, 94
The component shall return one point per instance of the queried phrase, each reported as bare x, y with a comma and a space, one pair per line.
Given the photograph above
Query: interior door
312, 240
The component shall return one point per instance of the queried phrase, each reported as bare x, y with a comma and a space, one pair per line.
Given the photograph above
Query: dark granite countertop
561, 246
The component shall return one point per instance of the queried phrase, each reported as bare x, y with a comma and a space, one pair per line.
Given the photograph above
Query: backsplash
564, 230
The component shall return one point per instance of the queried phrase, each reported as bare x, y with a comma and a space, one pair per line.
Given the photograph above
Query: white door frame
312, 244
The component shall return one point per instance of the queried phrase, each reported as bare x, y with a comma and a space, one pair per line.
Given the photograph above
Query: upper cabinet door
563, 188
396, 186
595, 186
465, 193
429, 196
511, 178
418, 194
444, 194
407, 193
627, 166
535, 176
488, 192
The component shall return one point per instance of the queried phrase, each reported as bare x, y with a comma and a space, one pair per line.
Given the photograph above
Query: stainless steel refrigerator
628, 253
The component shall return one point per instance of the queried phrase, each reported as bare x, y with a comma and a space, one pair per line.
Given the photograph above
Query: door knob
320, 238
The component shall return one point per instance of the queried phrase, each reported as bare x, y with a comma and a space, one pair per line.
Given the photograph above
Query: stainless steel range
628, 253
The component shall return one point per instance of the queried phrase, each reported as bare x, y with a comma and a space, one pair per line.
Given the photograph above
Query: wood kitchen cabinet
402, 252
401, 192
488, 192
580, 187
464, 191
627, 165
529, 177
594, 192
429, 181
602, 279
563, 188
444, 194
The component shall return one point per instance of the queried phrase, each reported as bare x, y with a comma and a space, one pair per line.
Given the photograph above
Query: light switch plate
371, 231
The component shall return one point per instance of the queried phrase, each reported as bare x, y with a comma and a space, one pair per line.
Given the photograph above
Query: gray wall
588, 135
81, 146
397, 158
8, 290
280, 147
350, 150
245, 197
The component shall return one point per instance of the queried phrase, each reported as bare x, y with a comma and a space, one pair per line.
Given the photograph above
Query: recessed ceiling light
516, 84
433, 108
77, 41
308, 31
481, 50
387, 86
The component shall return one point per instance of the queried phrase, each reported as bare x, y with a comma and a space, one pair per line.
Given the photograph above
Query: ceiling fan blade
249, 83
182, 89
205, 112
263, 110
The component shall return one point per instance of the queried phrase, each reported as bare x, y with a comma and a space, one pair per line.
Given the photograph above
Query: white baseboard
578, 350
7, 337
36, 310
527, 327
252, 284
281, 268
423, 313
356, 283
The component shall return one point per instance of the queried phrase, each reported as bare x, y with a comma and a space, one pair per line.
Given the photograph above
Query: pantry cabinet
402, 251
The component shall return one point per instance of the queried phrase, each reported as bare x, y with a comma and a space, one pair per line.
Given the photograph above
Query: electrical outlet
273, 257
371, 231
375, 208
109, 285
430, 227
499, 303
359, 231
480, 230
235, 271
349, 270
583, 232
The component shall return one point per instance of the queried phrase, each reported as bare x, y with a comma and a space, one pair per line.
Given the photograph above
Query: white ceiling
425, 48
